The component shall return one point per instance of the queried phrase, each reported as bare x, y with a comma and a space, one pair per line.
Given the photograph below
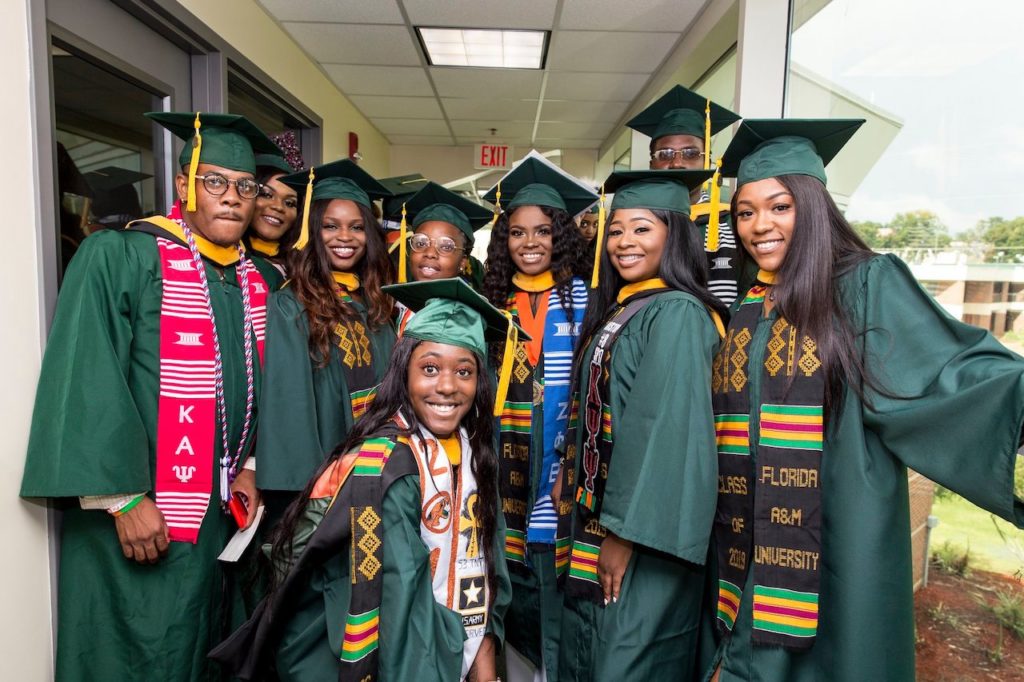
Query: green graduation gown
307, 411
960, 425
420, 639
94, 433
660, 495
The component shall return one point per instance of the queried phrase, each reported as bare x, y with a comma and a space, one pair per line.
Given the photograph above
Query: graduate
680, 124
329, 329
638, 492
443, 224
144, 417
533, 261
390, 564
838, 371
115, 203
277, 207
588, 224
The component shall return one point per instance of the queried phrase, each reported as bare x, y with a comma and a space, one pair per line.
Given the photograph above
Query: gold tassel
303, 239
598, 240
713, 217
193, 166
497, 205
402, 247
505, 375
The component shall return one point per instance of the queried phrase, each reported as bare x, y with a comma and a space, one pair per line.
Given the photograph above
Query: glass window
251, 100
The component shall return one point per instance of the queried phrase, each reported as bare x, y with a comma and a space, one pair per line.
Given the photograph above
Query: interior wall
443, 164
264, 43
26, 643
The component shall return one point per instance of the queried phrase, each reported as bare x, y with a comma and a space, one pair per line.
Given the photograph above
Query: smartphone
238, 508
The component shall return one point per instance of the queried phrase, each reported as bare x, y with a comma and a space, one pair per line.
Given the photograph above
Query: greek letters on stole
580, 533
450, 530
538, 383
769, 512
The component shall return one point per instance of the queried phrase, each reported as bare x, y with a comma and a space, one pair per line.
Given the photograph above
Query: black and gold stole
580, 533
355, 349
769, 510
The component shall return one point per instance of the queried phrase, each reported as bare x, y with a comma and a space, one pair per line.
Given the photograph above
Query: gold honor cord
402, 247
303, 239
598, 240
193, 166
505, 376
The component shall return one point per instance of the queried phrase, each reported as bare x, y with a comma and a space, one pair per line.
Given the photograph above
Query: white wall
25, 634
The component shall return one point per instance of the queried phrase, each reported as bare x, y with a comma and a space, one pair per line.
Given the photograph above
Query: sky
953, 72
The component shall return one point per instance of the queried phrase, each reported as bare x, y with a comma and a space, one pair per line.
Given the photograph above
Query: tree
1005, 236
868, 230
917, 229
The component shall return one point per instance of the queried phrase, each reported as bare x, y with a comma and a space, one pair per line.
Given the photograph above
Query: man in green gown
135, 602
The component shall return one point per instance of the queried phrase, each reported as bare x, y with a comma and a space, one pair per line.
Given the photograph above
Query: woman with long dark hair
390, 563
638, 495
277, 207
837, 373
329, 330
533, 261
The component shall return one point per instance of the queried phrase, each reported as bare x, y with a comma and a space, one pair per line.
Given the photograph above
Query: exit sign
492, 156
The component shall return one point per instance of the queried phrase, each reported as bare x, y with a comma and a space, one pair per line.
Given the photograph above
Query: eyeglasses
668, 154
216, 184
445, 245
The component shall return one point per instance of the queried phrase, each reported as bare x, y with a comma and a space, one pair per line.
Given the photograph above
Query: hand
714, 678
245, 483
611, 565
142, 532
556, 489
484, 667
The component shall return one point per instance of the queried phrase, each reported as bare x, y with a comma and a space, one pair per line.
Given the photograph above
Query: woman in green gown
390, 565
637, 500
277, 207
838, 372
329, 331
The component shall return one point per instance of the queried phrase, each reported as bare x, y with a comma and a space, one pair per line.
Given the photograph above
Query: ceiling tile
374, 106
635, 15
614, 52
461, 82
582, 111
353, 44
340, 11
618, 87
410, 126
482, 13
517, 142
482, 129
380, 80
484, 107
573, 131
445, 140
562, 143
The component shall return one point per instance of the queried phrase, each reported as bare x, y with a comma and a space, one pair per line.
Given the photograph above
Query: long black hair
393, 397
822, 249
683, 266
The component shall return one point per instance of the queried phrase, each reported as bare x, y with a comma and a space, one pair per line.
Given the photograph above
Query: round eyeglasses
216, 184
444, 245
668, 154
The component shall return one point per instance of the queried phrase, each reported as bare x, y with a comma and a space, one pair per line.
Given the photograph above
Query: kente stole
357, 484
190, 377
550, 352
769, 510
580, 533
355, 350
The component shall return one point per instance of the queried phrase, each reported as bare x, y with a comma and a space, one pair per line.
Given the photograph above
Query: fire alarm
353, 147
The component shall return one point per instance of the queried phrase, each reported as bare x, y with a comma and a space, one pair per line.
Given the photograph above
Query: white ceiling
600, 56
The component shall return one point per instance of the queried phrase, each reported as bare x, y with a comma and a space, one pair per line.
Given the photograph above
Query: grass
1009, 611
995, 544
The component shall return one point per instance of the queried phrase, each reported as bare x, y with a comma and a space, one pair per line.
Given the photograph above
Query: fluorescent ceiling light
484, 47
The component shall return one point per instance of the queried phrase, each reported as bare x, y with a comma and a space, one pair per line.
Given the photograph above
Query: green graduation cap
768, 148
665, 190
112, 177
683, 112
537, 182
225, 140
342, 179
275, 161
448, 311
401, 187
